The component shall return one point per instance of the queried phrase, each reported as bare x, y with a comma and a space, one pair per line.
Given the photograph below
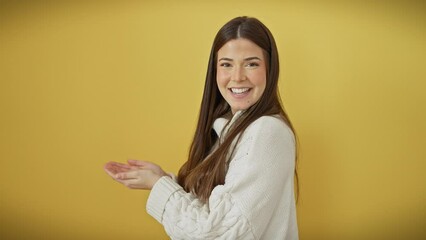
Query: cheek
221, 78
259, 79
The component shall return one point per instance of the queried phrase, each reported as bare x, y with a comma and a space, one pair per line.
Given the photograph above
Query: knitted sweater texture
256, 201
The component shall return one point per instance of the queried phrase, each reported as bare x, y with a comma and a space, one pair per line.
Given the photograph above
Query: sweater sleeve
260, 174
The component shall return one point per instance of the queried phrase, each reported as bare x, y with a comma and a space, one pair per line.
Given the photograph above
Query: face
241, 73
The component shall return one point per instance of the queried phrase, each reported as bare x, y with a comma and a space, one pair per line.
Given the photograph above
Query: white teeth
239, 90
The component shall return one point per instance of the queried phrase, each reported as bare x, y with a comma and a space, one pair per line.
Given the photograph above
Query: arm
260, 171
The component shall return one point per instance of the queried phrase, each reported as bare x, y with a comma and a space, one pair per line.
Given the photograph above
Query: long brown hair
205, 169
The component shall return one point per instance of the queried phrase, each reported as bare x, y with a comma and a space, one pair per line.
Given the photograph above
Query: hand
135, 175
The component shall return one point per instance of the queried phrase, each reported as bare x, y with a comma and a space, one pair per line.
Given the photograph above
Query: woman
238, 182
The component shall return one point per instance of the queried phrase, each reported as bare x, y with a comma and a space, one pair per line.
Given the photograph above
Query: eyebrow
245, 59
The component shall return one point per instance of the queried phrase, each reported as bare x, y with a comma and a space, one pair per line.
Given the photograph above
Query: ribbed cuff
160, 194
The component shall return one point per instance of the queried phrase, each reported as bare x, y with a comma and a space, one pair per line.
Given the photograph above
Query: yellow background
83, 83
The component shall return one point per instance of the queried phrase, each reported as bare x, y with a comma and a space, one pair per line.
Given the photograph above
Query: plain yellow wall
83, 83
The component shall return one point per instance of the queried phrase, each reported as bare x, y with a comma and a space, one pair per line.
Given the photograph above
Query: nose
238, 74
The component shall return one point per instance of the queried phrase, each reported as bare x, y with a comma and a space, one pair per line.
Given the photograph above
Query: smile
239, 90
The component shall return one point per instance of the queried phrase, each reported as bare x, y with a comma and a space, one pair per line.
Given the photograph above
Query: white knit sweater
256, 201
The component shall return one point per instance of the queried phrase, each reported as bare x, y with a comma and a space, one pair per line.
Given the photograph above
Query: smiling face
241, 73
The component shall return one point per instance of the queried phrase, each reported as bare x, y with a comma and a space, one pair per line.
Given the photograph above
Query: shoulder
267, 135
269, 127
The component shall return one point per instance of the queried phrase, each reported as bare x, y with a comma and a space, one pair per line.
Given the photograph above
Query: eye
225, 64
252, 64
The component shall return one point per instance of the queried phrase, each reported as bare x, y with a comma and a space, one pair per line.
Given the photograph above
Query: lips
239, 90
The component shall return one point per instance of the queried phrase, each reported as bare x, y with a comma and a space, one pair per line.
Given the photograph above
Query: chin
236, 109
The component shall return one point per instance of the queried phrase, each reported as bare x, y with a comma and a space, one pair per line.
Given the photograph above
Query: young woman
238, 182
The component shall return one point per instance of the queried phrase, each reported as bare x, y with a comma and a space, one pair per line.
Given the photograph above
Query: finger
138, 163
111, 173
119, 165
121, 181
127, 175
114, 169
115, 165
108, 171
